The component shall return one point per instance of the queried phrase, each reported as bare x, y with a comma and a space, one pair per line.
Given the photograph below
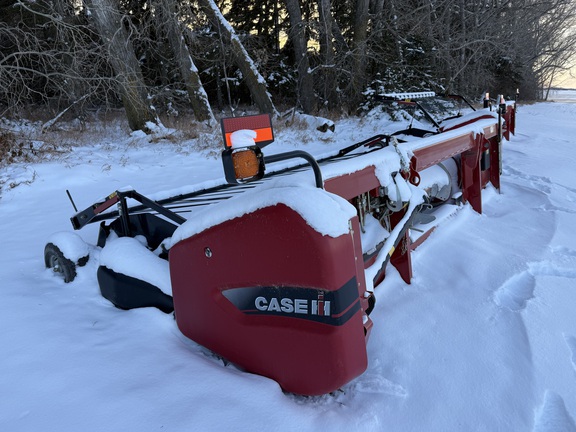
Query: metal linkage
95, 212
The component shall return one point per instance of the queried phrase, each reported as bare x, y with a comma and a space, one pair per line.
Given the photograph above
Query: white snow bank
70, 244
553, 416
443, 354
326, 213
373, 232
15, 175
321, 124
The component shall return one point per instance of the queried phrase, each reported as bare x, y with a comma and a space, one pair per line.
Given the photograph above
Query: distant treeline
164, 56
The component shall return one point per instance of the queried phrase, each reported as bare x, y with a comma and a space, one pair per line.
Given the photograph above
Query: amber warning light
242, 158
246, 163
243, 165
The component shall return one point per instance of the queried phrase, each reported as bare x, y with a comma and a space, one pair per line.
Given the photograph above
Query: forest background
164, 59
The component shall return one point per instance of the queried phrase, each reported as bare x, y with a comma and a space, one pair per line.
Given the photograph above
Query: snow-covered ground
562, 95
484, 339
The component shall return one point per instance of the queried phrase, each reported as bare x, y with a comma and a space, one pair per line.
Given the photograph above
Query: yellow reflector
246, 164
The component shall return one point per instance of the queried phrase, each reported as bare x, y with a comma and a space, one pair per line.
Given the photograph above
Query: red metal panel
472, 175
510, 118
491, 131
494, 162
113, 199
223, 277
465, 123
351, 185
402, 260
428, 156
361, 278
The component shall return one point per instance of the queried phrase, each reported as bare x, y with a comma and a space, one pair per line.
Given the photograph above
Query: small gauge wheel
55, 260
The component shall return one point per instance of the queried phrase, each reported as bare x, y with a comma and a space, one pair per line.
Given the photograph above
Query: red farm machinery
275, 271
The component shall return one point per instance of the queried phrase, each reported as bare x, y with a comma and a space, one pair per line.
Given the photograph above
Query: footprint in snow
540, 181
564, 251
548, 268
571, 342
552, 208
553, 416
377, 384
516, 291
543, 184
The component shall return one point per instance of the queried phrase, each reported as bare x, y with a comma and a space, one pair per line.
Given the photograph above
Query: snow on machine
276, 271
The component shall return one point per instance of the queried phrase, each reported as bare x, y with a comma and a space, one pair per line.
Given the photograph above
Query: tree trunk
377, 8
462, 85
188, 71
124, 62
340, 45
306, 95
76, 89
359, 60
327, 53
255, 82
397, 45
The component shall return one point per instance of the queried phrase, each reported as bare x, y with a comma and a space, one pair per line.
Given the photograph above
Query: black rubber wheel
55, 259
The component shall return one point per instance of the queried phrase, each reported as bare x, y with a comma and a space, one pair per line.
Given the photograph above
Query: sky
567, 80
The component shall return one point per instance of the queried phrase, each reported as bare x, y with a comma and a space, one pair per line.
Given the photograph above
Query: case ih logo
329, 307
288, 305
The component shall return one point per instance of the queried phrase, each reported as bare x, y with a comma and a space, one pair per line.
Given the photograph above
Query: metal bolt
208, 252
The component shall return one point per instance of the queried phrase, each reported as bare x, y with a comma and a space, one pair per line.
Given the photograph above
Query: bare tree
169, 20
359, 53
327, 54
68, 54
255, 82
554, 40
48, 56
297, 35
108, 21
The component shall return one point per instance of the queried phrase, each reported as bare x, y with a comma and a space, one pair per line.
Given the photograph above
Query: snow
324, 125
477, 127
415, 95
416, 198
563, 95
235, 41
70, 244
326, 213
130, 256
439, 181
483, 339
403, 191
243, 138
449, 124
372, 230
